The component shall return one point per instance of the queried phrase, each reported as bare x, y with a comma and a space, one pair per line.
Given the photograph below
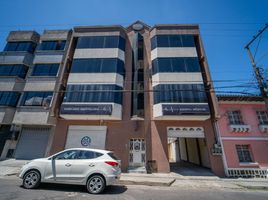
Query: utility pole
256, 69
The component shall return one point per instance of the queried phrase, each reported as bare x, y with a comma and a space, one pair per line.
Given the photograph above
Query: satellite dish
137, 27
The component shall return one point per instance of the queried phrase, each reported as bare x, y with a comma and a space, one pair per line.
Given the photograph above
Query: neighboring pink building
243, 132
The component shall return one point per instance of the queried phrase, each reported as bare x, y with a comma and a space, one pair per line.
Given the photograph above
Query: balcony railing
239, 128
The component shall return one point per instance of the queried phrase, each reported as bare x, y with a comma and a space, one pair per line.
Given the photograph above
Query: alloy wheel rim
95, 185
31, 179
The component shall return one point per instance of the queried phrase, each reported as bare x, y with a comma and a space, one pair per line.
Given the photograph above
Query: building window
235, 117
52, 45
243, 153
172, 41
93, 93
101, 42
20, 46
13, 70
45, 70
9, 98
36, 99
179, 93
181, 64
98, 65
263, 117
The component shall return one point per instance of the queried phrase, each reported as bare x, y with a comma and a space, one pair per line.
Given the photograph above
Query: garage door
32, 143
86, 136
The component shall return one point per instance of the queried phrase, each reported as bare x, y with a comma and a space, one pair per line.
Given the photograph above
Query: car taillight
112, 163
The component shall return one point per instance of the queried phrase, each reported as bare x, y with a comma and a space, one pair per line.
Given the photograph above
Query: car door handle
91, 165
68, 165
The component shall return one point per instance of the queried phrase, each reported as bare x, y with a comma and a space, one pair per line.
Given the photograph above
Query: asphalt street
10, 188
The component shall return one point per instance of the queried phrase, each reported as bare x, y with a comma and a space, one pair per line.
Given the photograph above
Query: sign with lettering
185, 109
86, 109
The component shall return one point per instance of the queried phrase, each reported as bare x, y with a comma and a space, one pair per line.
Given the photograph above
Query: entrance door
137, 152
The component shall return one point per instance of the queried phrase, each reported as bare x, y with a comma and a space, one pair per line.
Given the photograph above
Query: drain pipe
223, 153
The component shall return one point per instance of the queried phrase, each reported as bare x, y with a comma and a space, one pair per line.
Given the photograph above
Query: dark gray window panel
179, 64
13, 70
172, 41
101, 42
244, 154
52, 45
45, 69
9, 98
20, 46
93, 93
36, 99
179, 93
98, 65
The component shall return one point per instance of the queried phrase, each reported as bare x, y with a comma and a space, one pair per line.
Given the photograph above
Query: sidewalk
176, 180
11, 166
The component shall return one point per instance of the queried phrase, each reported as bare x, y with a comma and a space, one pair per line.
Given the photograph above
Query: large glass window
13, 70
36, 99
45, 69
235, 117
20, 46
9, 98
182, 93
180, 64
263, 117
101, 42
52, 45
98, 65
243, 152
93, 93
172, 41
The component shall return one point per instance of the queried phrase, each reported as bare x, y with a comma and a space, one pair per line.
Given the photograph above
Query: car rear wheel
95, 184
31, 179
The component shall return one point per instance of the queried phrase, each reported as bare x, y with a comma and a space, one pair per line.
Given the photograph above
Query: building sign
85, 141
185, 109
86, 109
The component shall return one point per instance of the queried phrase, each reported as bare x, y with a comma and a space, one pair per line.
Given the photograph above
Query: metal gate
32, 143
137, 152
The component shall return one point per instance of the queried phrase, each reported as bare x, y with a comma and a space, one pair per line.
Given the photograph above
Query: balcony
263, 128
239, 128
31, 115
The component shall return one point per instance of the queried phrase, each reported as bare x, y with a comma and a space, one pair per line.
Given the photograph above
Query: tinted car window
111, 154
73, 154
89, 155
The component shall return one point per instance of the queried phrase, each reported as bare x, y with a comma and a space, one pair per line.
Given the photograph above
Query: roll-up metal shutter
86, 136
32, 143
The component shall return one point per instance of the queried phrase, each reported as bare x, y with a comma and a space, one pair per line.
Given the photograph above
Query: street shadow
189, 169
114, 189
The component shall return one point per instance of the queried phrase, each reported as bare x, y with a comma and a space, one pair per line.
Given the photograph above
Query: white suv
93, 168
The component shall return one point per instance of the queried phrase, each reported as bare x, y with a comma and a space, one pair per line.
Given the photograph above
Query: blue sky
226, 26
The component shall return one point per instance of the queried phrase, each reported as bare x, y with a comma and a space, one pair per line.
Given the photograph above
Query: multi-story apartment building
15, 61
141, 91
40, 62
243, 128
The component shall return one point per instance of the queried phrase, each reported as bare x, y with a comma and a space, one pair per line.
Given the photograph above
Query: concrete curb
254, 187
148, 182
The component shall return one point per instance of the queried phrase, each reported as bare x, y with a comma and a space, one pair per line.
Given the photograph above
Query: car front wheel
31, 179
95, 184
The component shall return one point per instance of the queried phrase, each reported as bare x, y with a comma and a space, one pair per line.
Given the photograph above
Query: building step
141, 170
